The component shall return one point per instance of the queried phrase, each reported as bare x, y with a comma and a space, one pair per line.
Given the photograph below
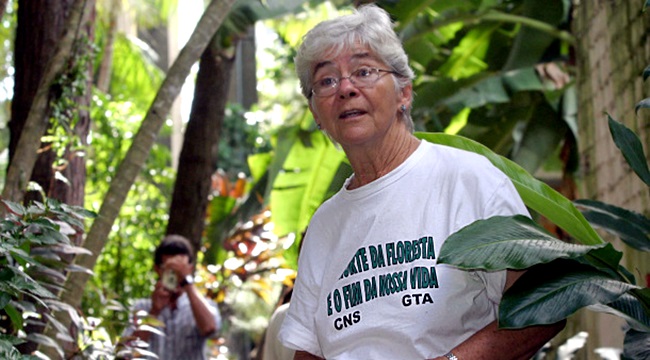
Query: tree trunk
198, 156
36, 38
3, 7
24, 150
40, 27
138, 152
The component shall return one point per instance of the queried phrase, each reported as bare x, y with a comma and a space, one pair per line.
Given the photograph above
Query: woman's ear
407, 95
315, 115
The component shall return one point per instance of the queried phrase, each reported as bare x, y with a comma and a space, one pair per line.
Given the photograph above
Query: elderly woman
368, 285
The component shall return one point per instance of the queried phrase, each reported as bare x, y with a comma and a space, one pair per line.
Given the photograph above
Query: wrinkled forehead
334, 57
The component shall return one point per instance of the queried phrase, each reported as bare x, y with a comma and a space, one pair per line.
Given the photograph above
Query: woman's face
355, 116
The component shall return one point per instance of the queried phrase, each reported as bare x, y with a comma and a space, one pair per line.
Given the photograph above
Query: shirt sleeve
214, 309
298, 329
504, 202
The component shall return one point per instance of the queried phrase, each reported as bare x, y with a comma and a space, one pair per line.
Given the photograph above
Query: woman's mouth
351, 113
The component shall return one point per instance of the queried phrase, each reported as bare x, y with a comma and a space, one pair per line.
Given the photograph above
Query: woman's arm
499, 344
303, 355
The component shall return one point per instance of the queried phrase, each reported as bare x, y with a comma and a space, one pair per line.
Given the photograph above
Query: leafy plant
33, 245
561, 277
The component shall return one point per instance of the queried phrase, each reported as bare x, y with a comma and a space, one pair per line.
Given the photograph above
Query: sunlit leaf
630, 145
302, 183
467, 57
70, 249
77, 268
151, 329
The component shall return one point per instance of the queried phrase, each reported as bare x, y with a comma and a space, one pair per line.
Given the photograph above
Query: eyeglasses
361, 78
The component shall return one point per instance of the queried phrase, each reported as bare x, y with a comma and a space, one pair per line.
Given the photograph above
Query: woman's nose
347, 88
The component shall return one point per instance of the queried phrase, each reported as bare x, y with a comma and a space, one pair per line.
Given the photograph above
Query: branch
137, 154
22, 163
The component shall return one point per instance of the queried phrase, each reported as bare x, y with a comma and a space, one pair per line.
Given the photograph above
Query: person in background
368, 285
189, 318
272, 348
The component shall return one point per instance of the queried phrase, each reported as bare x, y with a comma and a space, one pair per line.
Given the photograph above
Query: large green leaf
490, 90
535, 194
551, 292
630, 308
300, 187
630, 145
523, 79
631, 227
636, 344
135, 75
467, 58
484, 16
506, 242
531, 43
542, 135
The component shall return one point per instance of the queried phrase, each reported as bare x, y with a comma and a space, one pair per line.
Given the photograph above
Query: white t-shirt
368, 286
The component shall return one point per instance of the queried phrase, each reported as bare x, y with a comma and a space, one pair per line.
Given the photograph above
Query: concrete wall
612, 50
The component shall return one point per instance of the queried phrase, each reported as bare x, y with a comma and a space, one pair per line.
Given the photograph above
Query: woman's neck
372, 163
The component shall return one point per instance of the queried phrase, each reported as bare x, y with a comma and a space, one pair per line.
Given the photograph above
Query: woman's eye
363, 72
327, 82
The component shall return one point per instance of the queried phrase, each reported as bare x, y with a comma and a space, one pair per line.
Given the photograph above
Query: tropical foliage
562, 277
35, 255
478, 75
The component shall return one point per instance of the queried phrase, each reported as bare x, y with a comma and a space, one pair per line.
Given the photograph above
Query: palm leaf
535, 194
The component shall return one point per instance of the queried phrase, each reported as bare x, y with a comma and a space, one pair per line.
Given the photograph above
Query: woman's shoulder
458, 160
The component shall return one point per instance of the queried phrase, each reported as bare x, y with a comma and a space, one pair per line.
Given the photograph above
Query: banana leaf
507, 242
630, 308
551, 292
636, 345
535, 194
631, 227
630, 145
